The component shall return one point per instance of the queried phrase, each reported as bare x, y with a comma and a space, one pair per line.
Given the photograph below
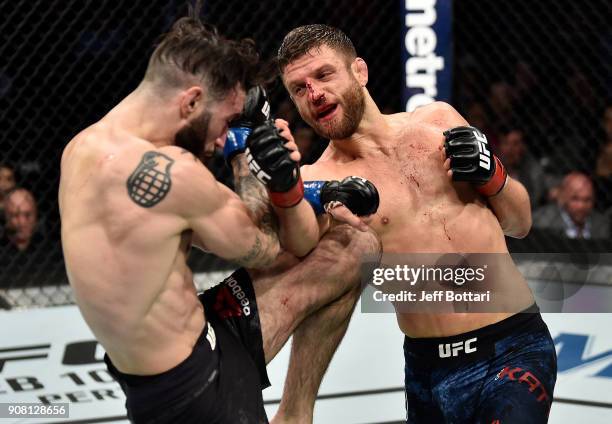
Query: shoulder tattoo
150, 182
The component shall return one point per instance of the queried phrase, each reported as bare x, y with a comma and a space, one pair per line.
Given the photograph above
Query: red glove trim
289, 198
497, 181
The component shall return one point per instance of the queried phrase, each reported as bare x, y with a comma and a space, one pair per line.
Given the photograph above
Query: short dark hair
302, 39
193, 48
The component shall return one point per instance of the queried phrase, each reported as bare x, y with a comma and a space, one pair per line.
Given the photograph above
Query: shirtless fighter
134, 197
507, 375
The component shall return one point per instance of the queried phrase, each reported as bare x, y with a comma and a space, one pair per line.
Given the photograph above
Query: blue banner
427, 51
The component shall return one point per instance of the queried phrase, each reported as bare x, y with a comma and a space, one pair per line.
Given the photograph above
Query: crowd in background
567, 203
543, 102
563, 157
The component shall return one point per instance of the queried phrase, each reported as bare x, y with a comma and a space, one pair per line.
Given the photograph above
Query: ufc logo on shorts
255, 168
485, 154
447, 350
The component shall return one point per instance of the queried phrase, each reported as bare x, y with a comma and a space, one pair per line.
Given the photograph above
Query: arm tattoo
254, 256
261, 254
150, 182
253, 194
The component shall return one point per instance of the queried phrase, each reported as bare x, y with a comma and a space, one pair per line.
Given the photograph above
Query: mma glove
472, 160
357, 194
255, 112
269, 162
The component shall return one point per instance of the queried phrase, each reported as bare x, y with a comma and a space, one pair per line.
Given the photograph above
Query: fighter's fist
357, 194
471, 160
270, 161
256, 109
255, 112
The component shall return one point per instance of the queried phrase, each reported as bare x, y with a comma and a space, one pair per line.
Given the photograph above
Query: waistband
137, 380
476, 343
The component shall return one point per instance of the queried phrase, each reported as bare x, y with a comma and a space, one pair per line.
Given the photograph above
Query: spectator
521, 165
7, 183
21, 216
603, 164
27, 258
573, 215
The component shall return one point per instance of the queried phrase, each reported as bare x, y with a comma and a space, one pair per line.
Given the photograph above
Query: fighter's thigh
519, 393
513, 404
295, 288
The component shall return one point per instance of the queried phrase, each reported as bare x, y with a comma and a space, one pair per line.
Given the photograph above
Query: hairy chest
410, 177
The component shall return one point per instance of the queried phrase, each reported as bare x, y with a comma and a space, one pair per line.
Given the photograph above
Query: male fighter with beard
507, 372
134, 197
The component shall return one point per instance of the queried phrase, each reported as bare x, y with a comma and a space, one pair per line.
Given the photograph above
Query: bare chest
413, 186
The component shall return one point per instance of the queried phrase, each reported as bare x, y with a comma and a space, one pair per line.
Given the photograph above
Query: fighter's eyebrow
324, 68
294, 84
317, 71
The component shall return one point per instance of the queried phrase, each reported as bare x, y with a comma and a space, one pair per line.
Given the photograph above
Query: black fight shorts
221, 381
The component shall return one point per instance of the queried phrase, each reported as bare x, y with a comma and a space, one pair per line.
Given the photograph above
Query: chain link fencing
537, 78
542, 68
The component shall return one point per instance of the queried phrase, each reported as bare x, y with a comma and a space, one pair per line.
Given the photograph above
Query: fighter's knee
369, 243
351, 250
359, 243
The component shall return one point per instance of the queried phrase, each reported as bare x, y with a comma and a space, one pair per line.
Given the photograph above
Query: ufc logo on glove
256, 169
485, 154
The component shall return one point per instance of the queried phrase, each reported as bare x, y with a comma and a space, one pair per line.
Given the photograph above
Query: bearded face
327, 88
193, 136
340, 119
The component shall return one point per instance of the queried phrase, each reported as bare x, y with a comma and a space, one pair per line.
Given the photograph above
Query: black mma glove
269, 161
471, 160
357, 194
255, 112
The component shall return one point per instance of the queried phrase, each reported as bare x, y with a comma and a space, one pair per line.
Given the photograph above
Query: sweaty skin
126, 248
421, 209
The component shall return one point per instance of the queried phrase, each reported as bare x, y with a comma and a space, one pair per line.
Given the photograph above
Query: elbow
525, 225
272, 253
302, 251
519, 229
263, 255
264, 261
521, 232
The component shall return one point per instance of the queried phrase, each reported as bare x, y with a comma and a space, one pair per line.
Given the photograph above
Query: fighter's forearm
254, 195
296, 227
513, 209
299, 230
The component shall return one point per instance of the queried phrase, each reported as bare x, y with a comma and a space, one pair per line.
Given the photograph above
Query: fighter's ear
190, 101
360, 70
